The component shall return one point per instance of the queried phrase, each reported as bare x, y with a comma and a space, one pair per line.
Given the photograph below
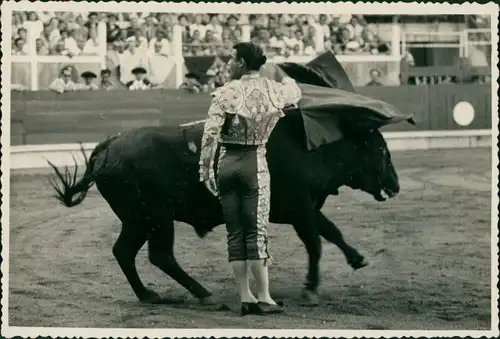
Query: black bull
149, 177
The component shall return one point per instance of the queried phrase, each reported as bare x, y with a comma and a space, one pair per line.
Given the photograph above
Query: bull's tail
70, 186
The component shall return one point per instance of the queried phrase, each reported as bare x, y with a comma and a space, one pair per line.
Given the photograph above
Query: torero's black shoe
250, 308
267, 308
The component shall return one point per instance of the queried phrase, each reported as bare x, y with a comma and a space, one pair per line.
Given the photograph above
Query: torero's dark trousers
244, 192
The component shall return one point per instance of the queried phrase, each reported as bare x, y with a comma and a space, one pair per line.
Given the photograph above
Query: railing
26, 68
462, 41
477, 46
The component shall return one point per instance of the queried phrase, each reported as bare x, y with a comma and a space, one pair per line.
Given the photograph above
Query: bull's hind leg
161, 255
125, 249
331, 233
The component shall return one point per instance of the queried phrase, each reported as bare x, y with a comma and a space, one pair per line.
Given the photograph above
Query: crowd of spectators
75, 33
145, 39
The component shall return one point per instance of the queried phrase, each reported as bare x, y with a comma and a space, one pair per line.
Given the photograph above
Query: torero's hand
211, 185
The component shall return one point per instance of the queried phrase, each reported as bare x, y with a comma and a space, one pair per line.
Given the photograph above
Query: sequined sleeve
213, 126
289, 92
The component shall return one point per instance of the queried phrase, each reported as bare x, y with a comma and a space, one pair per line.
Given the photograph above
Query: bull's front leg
331, 233
308, 232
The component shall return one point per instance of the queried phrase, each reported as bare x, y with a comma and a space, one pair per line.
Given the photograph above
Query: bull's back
144, 149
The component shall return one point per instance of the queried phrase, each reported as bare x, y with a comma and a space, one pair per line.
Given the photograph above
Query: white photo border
7, 7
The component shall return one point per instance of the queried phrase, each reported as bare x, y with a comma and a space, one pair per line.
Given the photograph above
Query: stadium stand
71, 33
146, 39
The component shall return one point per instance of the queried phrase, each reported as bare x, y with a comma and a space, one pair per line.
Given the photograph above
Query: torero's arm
290, 92
211, 132
286, 92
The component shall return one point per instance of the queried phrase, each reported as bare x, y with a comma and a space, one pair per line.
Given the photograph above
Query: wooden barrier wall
48, 118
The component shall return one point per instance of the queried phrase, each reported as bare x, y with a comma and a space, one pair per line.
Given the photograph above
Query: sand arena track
429, 250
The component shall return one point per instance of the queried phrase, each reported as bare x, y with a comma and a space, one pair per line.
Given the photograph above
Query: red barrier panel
45, 117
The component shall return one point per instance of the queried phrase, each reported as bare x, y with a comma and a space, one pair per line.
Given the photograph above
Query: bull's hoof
310, 298
153, 298
358, 262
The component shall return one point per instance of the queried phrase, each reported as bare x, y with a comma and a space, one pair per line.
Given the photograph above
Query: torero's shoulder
228, 89
229, 96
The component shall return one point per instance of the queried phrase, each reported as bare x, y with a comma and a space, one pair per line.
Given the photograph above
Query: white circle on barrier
463, 113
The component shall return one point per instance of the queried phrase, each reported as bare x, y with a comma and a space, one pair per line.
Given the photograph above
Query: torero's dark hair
252, 54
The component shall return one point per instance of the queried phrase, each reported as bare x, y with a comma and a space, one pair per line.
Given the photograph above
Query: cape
329, 104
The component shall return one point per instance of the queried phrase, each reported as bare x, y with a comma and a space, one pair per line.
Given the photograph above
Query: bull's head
373, 171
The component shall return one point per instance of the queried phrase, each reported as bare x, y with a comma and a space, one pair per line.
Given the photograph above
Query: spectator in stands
407, 58
130, 59
252, 19
215, 26
19, 47
211, 39
69, 45
198, 26
263, 38
122, 39
80, 32
20, 40
227, 36
142, 42
237, 36
62, 26
149, 28
348, 46
134, 26
41, 47
159, 64
17, 22
299, 37
23, 34
289, 38
325, 28
232, 23
64, 82
370, 42
375, 76
92, 21
309, 48
112, 28
34, 24
45, 39
276, 40
140, 82
112, 57
92, 46
55, 34
355, 28
161, 39
106, 82
272, 23
88, 81
184, 23
335, 27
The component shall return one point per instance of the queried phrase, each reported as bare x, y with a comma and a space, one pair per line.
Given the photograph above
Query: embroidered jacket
244, 112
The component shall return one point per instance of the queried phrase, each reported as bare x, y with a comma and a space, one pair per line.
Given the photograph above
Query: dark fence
48, 118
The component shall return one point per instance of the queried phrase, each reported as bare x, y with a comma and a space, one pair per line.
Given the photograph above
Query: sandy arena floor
429, 250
